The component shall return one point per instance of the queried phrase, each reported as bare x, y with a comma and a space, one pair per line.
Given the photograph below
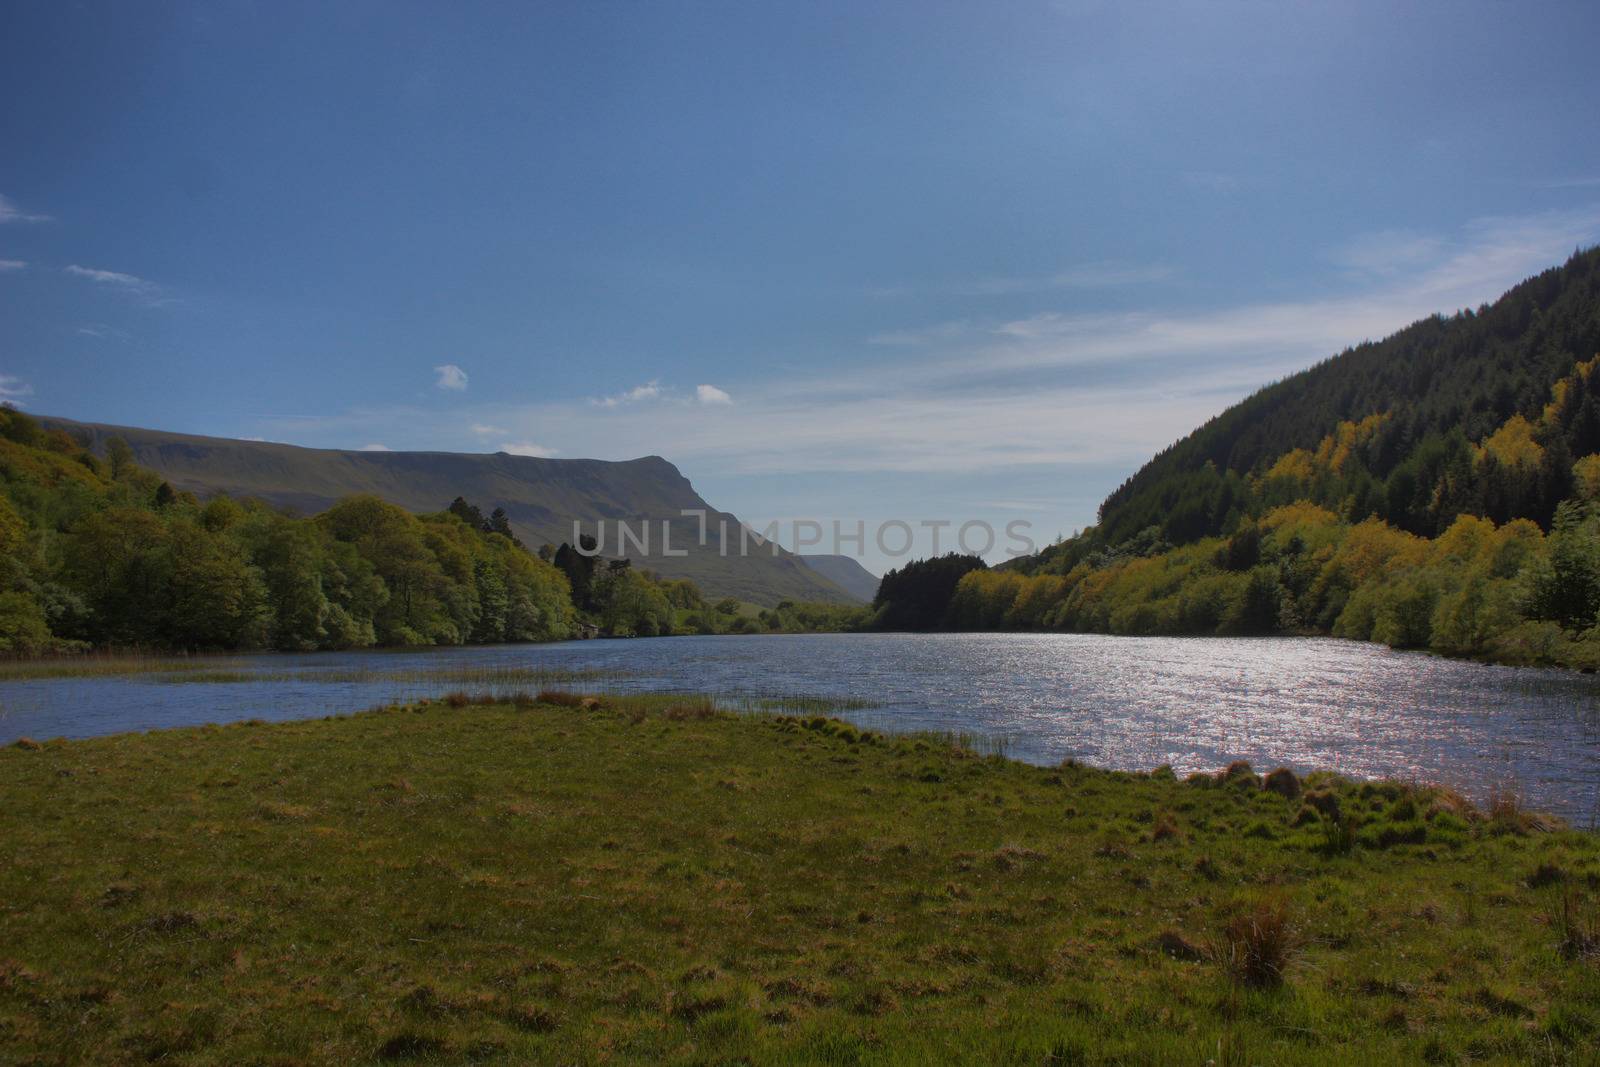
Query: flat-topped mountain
541, 497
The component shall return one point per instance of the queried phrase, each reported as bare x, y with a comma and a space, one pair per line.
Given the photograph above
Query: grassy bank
653, 880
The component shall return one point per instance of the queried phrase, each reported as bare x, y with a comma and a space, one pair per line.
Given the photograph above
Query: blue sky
920, 261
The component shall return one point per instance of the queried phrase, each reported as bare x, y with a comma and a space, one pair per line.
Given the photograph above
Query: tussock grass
1257, 946
642, 878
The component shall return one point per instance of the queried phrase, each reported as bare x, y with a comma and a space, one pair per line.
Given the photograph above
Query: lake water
1130, 703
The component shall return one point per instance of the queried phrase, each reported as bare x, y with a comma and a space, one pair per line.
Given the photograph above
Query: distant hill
542, 498
846, 573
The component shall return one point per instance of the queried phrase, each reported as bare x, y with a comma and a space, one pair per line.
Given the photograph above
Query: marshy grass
804, 704
555, 875
97, 665
230, 670
485, 677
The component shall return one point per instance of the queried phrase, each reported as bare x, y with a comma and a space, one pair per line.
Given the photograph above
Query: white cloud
451, 377
12, 264
484, 429
710, 394
527, 448
10, 212
14, 390
648, 391
375, 447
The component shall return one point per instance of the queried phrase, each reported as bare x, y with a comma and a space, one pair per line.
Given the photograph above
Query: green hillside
541, 497
1439, 489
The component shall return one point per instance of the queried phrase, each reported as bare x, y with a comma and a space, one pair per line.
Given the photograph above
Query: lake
1122, 702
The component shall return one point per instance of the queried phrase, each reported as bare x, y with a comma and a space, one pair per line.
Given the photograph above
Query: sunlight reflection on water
1131, 703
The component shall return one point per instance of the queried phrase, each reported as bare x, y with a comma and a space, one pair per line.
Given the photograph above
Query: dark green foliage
500, 523
804, 617
468, 513
579, 568
1257, 610
1565, 585
917, 596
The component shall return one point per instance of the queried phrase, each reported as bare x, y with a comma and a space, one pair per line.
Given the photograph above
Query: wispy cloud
451, 377
10, 212
648, 391
12, 264
1089, 276
1388, 251
1213, 181
102, 331
710, 394
109, 277
924, 335
1569, 183
487, 429
1084, 276
375, 447
14, 390
146, 291
527, 448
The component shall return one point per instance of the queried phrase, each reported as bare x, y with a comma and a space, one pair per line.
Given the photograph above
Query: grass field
654, 880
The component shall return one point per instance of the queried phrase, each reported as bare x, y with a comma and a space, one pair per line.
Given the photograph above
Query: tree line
1490, 583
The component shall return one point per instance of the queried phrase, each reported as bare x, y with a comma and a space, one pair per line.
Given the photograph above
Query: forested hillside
1439, 489
1423, 404
99, 552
